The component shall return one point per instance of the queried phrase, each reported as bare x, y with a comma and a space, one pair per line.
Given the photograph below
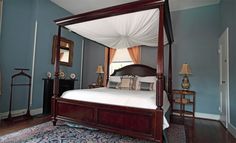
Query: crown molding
84, 6
177, 5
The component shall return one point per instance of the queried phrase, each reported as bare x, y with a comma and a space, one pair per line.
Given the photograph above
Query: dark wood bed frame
135, 122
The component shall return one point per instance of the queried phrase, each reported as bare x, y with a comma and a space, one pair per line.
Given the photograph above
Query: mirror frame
54, 46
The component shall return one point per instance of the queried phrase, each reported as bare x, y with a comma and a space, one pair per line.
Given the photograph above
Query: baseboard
232, 129
20, 112
207, 116
204, 116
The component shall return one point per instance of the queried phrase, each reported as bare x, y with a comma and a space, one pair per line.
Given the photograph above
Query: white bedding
128, 98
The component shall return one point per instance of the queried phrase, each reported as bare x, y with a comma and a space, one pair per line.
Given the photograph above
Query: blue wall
46, 13
196, 33
16, 46
228, 19
93, 56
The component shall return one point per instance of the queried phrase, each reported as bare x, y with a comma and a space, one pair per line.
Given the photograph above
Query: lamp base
99, 80
185, 83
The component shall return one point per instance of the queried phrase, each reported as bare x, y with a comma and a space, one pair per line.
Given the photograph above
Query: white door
224, 77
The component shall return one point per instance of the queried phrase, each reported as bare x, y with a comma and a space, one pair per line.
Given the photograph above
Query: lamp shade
185, 69
99, 69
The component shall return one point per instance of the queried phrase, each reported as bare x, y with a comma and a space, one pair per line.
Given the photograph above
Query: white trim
228, 97
232, 129
33, 62
1, 11
207, 116
82, 6
224, 92
82, 65
203, 116
20, 112
176, 5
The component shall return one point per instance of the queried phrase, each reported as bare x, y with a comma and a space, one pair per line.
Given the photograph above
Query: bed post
160, 63
170, 73
108, 66
56, 76
160, 71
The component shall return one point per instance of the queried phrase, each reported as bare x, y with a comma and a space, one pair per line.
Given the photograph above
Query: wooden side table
182, 98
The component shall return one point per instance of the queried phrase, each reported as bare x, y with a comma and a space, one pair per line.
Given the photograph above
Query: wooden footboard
135, 122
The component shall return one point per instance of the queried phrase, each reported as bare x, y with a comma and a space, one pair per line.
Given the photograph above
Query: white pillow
148, 79
115, 78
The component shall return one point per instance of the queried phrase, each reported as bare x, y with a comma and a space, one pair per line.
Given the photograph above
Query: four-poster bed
132, 121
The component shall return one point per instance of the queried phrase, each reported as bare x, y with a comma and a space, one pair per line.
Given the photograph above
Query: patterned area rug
73, 133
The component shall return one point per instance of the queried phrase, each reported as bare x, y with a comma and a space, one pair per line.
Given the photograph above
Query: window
121, 59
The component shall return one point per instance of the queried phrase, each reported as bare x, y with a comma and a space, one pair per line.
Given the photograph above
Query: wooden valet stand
21, 73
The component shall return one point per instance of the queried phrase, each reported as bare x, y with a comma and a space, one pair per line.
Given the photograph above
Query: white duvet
128, 98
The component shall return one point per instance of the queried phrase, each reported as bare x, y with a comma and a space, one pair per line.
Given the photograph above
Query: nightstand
94, 86
183, 98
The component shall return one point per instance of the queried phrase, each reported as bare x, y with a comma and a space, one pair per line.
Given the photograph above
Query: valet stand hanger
21, 73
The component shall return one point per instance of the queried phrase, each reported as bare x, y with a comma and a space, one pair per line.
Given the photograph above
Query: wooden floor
197, 131
15, 125
204, 131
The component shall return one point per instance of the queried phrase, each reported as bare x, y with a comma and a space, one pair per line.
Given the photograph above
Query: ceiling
81, 6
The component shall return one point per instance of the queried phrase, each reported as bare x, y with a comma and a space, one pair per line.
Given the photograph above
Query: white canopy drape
122, 31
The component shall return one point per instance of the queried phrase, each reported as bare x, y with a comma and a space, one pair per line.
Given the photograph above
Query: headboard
135, 69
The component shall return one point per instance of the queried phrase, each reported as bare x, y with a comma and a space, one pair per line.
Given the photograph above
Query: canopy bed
142, 122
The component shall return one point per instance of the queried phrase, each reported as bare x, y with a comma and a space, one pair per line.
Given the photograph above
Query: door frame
225, 33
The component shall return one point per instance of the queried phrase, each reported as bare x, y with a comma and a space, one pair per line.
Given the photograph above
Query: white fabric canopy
123, 31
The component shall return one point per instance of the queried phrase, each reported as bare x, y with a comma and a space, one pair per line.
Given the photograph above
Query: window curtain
112, 54
135, 54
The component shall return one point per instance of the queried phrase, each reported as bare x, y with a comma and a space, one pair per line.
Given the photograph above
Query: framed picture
66, 51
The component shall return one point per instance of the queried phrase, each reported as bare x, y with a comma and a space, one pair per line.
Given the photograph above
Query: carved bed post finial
56, 75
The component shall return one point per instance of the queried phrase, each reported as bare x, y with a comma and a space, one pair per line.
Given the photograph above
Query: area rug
72, 133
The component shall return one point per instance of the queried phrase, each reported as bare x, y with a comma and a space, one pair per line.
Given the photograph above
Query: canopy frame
164, 21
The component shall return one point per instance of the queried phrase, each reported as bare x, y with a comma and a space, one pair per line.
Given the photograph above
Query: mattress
127, 98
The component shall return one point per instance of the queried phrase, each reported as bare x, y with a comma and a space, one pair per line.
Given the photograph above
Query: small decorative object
94, 83
99, 71
49, 75
185, 71
62, 75
72, 76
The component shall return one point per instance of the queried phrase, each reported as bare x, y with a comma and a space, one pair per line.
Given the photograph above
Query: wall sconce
185, 71
99, 71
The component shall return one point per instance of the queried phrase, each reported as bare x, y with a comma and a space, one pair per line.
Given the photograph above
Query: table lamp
100, 72
185, 71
